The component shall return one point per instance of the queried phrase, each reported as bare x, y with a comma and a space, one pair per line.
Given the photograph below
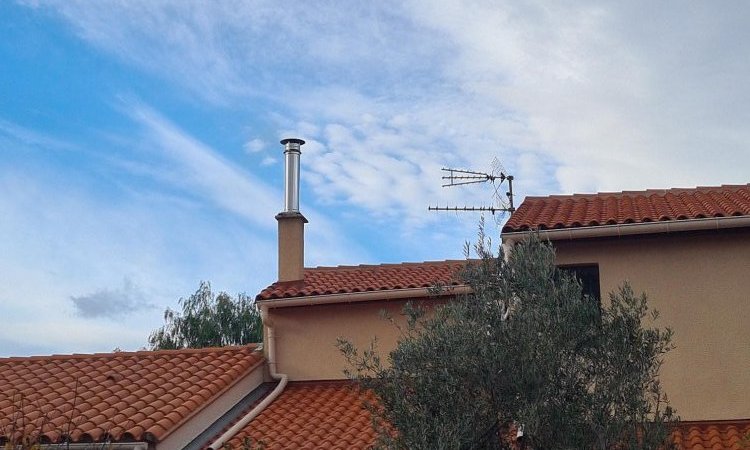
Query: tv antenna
462, 177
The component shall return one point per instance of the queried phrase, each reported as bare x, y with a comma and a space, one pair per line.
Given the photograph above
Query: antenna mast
461, 177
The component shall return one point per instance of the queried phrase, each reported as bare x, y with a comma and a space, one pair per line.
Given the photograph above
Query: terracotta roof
610, 208
365, 278
140, 396
733, 435
331, 415
319, 414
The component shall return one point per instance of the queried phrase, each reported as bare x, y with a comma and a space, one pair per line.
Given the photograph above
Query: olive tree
526, 355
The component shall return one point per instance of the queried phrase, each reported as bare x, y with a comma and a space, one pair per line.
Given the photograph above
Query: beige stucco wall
700, 283
306, 335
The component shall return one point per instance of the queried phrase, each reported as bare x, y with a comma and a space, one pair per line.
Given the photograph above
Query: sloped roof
366, 278
615, 208
321, 414
327, 414
141, 396
731, 435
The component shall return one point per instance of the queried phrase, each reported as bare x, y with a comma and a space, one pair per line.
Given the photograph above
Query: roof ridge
717, 422
367, 278
644, 192
389, 265
129, 353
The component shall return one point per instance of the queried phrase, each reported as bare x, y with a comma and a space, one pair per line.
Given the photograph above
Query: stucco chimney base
291, 246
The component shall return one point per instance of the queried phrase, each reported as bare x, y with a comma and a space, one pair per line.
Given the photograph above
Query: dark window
588, 276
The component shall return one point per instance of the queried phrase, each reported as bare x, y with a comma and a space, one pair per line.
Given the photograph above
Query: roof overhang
367, 296
631, 229
184, 434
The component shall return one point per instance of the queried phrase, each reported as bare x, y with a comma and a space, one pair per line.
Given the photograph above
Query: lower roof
734, 435
319, 414
144, 396
331, 415
120, 396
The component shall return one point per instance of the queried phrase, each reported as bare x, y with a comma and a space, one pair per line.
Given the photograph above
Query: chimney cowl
292, 143
292, 152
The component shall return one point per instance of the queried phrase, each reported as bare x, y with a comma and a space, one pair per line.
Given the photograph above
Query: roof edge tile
127, 353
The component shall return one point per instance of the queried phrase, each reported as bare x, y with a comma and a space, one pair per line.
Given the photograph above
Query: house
688, 249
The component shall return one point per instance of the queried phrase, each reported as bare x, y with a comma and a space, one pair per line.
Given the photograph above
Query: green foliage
528, 350
209, 320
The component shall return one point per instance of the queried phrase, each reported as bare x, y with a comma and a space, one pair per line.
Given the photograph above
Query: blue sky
139, 146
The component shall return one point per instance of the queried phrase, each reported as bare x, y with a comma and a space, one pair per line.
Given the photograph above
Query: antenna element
461, 177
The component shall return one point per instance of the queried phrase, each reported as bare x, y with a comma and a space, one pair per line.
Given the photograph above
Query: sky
140, 155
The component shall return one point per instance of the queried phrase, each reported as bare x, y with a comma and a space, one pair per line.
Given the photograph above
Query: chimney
291, 221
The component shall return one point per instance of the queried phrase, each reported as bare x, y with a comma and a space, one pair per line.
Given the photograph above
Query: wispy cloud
66, 249
572, 97
16, 137
576, 96
580, 96
59, 241
268, 161
202, 171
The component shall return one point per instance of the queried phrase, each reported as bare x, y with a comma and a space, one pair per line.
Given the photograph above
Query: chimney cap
292, 141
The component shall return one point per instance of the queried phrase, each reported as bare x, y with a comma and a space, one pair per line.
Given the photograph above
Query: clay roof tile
366, 278
313, 415
712, 435
325, 414
582, 210
110, 397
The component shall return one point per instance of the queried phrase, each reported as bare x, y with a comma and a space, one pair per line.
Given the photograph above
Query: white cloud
376, 93
62, 242
254, 145
268, 161
571, 97
68, 244
59, 241
201, 170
